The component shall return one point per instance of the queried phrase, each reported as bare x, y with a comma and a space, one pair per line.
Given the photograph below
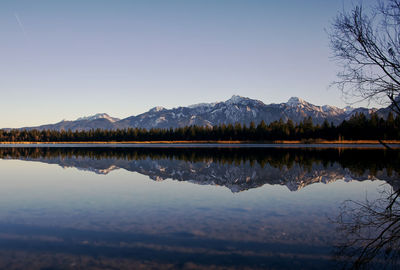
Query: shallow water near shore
197, 207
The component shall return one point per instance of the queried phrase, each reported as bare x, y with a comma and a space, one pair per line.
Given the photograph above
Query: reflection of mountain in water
235, 168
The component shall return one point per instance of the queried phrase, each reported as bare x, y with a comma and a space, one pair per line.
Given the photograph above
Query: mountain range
237, 109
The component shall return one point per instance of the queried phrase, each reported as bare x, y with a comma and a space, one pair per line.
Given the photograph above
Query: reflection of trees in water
358, 161
370, 229
371, 232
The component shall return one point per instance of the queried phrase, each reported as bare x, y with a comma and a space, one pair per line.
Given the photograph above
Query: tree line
357, 127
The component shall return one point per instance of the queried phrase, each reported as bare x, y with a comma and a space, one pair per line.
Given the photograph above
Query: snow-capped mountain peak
237, 109
99, 116
199, 105
157, 109
294, 101
348, 109
328, 108
235, 99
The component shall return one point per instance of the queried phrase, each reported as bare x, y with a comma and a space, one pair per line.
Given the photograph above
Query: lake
231, 207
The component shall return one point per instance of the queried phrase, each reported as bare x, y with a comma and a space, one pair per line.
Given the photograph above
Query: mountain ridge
237, 109
98, 116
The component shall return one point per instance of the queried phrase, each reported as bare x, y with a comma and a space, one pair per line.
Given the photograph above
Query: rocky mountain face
234, 110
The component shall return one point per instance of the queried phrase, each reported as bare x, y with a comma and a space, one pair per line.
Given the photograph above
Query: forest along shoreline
357, 130
309, 141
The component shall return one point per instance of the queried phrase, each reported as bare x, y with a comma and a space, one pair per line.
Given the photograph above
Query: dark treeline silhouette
358, 127
358, 161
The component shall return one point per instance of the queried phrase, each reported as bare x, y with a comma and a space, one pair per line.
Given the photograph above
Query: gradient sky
66, 59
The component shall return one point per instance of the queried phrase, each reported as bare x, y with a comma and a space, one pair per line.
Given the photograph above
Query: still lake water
178, 207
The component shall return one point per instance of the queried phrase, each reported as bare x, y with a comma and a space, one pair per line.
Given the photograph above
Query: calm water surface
187, 208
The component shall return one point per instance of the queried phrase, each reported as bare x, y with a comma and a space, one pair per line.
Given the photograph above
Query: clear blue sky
66, 59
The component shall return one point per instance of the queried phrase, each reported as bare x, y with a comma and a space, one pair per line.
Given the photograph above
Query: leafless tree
366, 42
370, 233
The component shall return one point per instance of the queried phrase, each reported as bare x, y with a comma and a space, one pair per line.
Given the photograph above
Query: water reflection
370, 232
107, 214
235, 168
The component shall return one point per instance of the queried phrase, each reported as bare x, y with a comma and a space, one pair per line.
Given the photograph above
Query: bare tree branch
371, 232
367, 46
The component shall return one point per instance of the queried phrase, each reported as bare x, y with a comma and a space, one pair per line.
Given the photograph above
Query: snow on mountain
237, 109
295, 101
98, 116
202, 105
235, 99
157, 109
348, 109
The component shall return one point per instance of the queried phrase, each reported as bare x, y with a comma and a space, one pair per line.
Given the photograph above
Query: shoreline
278, 142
